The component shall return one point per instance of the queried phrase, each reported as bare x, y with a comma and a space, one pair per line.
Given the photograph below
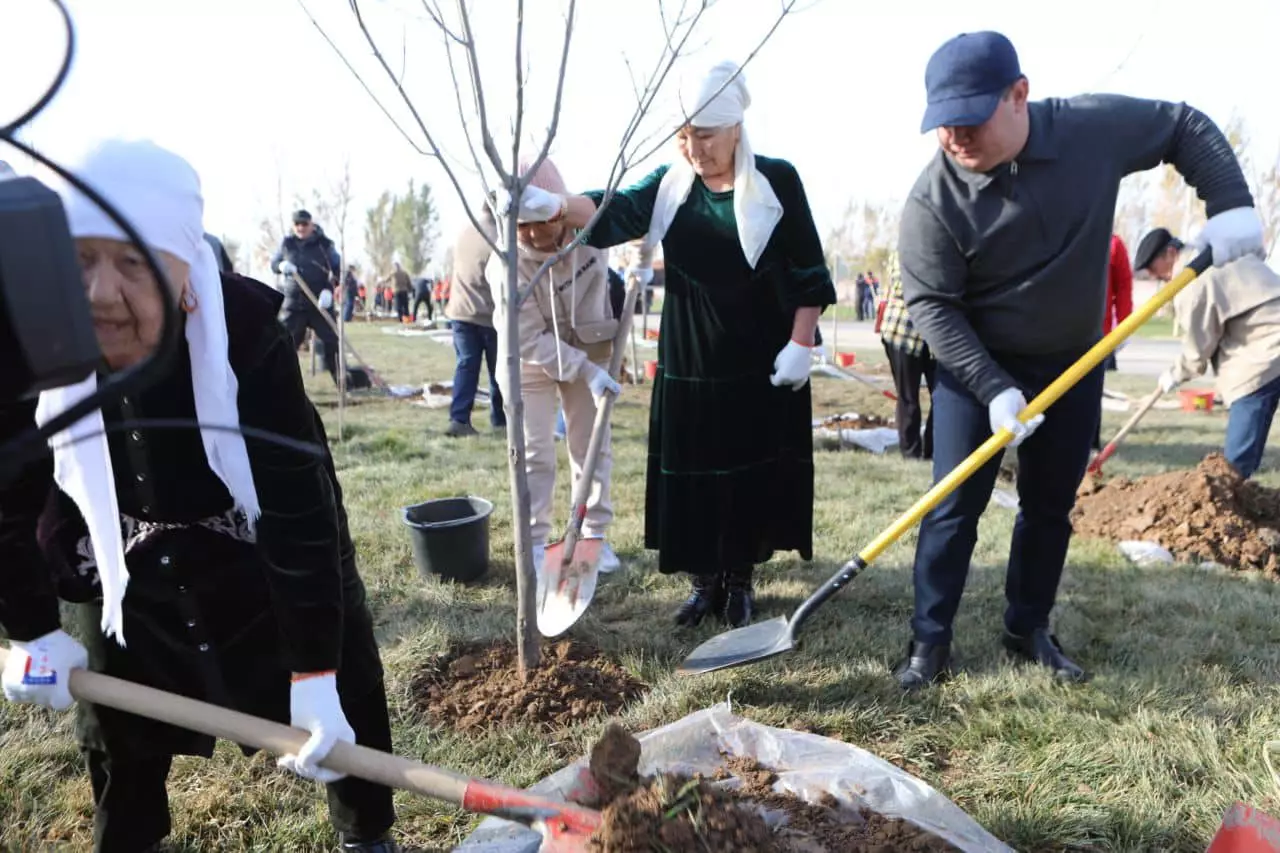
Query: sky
253, 96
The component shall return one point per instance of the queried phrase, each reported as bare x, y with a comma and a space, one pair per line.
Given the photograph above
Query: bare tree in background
499, 169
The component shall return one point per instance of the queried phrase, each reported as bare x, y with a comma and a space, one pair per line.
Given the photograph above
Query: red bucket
651, 369
846, 359
1196, 401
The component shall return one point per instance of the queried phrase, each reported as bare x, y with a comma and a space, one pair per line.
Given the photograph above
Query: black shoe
739, 601
382, 845
925, 663
1043, 648
460, 430
707, 597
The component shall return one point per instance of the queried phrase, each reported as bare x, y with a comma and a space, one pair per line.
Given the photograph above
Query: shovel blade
564, 827
565, 590
740, 646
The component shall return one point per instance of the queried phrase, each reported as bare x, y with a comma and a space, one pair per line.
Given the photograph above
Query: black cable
34, 442
310, 448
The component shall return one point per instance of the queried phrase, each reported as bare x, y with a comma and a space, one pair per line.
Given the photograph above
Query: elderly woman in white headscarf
730, 477
224, 562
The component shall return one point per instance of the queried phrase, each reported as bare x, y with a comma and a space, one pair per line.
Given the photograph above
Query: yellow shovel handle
1042, 401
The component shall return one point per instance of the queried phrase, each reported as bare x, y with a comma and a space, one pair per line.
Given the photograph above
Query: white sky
248, 90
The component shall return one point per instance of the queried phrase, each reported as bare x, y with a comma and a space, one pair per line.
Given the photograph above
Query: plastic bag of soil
808, 766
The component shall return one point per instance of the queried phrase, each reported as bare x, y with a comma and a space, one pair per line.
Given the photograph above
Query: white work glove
38, 671
536, 205
1231, 235
314, 706
1167, 382
1003, 412
792, 365
325, 299
643, 274
599, 381
287, 268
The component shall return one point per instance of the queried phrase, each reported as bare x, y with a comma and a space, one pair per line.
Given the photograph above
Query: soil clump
1206, 514
476, 686
679, 814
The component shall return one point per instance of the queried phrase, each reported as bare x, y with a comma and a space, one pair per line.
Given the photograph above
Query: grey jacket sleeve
933, 281
1146, 133
276, 259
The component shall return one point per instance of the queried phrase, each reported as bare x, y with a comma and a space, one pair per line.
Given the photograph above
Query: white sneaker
609, 562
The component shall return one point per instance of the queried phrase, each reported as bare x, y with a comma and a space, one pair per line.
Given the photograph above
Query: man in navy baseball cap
966, 78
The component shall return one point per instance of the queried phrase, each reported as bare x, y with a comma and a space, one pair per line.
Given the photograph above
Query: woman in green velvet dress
730, 469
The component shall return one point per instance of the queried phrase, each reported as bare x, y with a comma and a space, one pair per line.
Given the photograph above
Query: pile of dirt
677, 813
476, 686
854, 420
1207, 514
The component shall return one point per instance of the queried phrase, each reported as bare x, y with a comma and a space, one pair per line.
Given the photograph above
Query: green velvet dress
730, 468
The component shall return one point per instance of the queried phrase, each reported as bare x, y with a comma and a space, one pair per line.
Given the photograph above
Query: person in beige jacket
566, 340
470, 315
1230, 317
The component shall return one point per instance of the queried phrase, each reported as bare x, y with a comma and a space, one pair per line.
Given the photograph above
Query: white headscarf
755, 206
159, 193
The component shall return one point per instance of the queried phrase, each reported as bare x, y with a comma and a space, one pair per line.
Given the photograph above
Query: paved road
1140, 356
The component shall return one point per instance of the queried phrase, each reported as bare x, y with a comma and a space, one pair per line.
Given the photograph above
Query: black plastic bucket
450, 537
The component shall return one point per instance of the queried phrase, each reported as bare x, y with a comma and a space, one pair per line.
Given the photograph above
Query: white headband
159, 193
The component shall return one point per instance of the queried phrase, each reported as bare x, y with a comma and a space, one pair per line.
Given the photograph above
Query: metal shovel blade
739, 646
565, 589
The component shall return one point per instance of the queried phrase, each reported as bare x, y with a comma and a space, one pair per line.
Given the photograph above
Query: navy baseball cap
965, 79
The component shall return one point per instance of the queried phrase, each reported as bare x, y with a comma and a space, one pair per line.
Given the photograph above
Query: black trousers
1051, 464
402, 304
423, 299
907, 372
298, 318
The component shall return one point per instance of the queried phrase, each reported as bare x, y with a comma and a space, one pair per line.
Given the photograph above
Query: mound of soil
854, 420
677, 814
1207, 514
476, 686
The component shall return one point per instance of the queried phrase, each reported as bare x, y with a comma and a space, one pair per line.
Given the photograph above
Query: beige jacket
470, 299
1230, 317
567, 320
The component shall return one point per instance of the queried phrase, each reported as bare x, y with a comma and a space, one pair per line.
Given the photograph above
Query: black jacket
207, 613
317, 261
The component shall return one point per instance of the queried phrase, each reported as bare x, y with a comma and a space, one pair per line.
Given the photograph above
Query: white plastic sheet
807, 765
1145, 553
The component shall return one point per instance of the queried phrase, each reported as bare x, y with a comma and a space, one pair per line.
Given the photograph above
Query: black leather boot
707, 597
1042, 647
740, 602
925, 664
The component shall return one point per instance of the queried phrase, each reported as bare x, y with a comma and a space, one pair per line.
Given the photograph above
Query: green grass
1145, 758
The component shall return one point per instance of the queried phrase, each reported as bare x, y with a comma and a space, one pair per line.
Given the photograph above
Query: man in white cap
730, 478
1004, 246
226, 563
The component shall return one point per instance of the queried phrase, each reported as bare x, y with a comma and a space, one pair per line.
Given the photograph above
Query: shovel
564, 827
345, 344
1095, 467
777, 636
570, 567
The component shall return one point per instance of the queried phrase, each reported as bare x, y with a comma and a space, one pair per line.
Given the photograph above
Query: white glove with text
38, 672
791, 366
1167, 382
1003, 412
325, 299
314, 706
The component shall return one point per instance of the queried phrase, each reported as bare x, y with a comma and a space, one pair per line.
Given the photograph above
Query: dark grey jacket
1014, 262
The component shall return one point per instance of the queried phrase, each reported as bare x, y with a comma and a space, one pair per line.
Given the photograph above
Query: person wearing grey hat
1003, 246
1230, 318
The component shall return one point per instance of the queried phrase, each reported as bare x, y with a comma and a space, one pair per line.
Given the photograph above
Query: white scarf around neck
159, 193
755, 205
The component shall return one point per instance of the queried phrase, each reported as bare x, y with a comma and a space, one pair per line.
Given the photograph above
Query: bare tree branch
417, 117
477, 88
360, 80
554, 127
433, 10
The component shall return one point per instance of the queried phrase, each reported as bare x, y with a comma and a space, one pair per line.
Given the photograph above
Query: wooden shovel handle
275, 738
1107, 452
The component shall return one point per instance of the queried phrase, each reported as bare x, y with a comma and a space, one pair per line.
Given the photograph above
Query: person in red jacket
1119, 292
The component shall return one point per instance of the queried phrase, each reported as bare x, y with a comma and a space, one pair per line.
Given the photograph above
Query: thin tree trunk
527, 646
